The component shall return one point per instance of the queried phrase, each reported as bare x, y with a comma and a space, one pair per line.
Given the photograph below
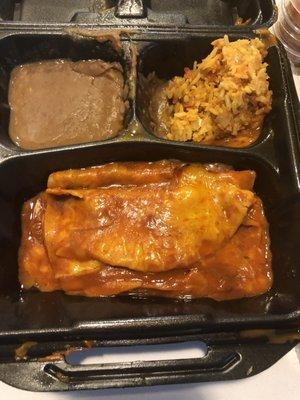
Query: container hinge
130, 9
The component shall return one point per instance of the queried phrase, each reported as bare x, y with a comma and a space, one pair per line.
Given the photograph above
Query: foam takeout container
243, 336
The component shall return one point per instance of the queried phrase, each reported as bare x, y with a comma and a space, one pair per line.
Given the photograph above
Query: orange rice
225, 95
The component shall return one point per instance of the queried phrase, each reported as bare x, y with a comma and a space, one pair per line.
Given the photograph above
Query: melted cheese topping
145, 228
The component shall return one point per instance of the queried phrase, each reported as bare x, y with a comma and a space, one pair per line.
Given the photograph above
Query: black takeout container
243, 337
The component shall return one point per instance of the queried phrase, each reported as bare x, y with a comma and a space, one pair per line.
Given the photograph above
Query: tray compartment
168, 58
23, 176
21, 49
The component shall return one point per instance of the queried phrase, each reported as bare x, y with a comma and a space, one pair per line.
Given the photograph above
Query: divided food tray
239, 333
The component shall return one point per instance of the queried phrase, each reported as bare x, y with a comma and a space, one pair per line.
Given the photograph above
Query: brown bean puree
59, 102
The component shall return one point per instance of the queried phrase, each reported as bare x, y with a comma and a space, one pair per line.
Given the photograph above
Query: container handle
222, 362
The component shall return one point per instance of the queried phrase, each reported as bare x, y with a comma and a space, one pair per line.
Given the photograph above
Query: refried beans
60, 102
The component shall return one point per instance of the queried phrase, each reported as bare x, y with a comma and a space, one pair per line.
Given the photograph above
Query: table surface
280, 381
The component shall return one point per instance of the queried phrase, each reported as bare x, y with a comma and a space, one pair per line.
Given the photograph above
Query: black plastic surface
49, 318
174, 12
222, 362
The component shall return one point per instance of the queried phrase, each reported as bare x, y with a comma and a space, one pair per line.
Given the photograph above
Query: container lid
190, 13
